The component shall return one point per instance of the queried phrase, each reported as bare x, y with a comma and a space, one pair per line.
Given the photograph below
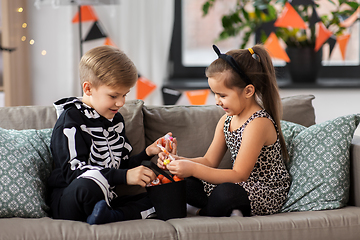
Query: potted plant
258, 16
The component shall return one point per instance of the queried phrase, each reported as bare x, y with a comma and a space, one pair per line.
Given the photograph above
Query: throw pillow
319, 164
25, 165
290, 130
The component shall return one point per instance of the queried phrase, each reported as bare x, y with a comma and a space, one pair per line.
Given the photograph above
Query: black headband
231, 61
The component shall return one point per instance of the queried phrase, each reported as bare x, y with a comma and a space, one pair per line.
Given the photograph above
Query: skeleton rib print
107, 145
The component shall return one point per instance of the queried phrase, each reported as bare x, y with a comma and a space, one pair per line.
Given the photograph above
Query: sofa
193, 126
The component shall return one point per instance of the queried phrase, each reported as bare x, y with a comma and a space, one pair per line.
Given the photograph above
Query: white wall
141, 28
330, 103
53, 74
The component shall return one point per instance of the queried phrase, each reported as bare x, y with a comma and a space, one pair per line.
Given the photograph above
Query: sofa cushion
134, 125
41, 117
27, 117
193, 127
299, 109
25, 164
319, 164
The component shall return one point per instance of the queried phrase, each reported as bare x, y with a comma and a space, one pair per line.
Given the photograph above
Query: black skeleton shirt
85, 144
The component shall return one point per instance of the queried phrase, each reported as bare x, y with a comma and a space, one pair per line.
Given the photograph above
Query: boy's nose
120, 103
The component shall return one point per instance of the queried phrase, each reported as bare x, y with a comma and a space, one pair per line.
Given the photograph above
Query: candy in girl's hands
166, 161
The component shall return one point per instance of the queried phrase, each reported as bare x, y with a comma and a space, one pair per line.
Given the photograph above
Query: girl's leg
195, 195
225, 198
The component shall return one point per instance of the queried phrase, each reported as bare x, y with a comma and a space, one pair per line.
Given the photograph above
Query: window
193, 36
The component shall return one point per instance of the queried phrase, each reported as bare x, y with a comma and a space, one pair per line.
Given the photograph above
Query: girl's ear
249, 91
87, 88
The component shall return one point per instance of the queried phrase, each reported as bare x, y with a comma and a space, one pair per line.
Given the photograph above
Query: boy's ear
87, 88
249, 90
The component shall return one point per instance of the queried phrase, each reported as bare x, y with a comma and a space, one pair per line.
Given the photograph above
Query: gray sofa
193, 126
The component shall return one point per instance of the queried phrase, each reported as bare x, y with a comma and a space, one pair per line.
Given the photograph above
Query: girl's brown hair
107, 65
259, 68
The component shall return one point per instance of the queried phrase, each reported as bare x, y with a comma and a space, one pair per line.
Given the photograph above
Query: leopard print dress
269, 181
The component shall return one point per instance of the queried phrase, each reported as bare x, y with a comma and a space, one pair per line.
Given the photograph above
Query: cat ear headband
231, 61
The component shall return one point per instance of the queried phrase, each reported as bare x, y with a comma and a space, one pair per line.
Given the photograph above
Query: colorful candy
163, 180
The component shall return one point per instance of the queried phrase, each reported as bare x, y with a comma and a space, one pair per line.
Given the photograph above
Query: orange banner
87, 14
197, 97
343, 41
274, 48
290, 18
144, 87
108, 42
322, 36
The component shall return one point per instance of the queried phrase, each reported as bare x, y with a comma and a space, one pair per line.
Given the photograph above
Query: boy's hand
140, 175
170, 146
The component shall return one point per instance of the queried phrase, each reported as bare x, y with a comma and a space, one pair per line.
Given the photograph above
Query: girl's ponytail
267, 91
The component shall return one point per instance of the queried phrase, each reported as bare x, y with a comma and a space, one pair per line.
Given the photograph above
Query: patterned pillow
25, 164
319, 164
290, 130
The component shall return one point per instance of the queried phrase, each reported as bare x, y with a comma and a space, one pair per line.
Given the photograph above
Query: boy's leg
134, 206
122, 208
78, 200
225, 198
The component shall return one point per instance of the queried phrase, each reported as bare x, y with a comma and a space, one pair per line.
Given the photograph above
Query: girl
244, 85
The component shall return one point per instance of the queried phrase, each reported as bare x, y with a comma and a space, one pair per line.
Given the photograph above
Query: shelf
201, 83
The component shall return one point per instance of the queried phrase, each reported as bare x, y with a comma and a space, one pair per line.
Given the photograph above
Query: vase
304, 64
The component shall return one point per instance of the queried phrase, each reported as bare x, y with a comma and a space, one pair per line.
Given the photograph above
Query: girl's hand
162, 157
153, 149
182, 168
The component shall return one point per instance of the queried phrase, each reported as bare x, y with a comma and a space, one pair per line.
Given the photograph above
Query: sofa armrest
354, 197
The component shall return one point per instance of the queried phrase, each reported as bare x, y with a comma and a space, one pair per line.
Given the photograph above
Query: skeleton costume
85, 145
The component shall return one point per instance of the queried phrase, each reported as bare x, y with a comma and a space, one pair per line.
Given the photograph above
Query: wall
330, 103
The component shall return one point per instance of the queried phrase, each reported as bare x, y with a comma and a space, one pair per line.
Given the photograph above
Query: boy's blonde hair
107, 65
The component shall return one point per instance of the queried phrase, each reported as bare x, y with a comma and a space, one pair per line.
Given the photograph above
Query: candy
169, 138
166, 152
176, 178
155, 182
166, 161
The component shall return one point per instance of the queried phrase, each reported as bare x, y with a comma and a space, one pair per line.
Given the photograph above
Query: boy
90, 149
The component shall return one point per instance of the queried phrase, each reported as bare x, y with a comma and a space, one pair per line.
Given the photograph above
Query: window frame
180, 75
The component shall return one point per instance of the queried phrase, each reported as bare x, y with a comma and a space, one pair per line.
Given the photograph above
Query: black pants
77, 201
223, 200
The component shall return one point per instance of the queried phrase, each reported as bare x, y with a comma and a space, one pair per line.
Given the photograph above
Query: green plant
249, 16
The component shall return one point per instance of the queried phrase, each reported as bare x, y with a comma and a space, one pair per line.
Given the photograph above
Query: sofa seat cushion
330, 225
47, 228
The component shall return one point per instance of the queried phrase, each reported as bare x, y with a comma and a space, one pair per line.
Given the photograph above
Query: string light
43, 52
24, 25
20, 9
32, 42
23, 38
